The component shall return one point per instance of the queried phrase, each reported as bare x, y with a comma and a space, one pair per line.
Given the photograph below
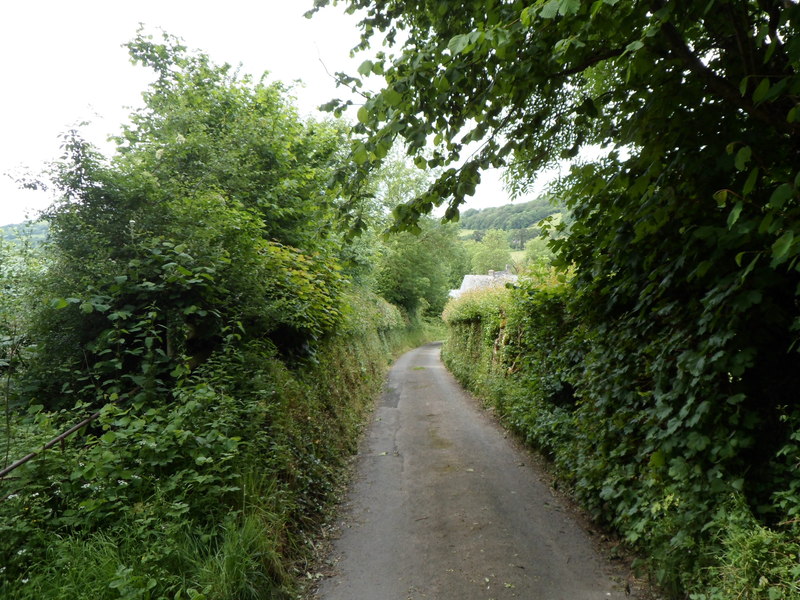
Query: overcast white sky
63, 62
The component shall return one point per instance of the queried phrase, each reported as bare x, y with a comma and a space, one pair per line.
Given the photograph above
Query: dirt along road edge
443, 506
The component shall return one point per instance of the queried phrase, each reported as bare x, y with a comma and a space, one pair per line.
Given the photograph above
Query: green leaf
752, 265
781, 246
365, 68
766, 222
657, 460
634, 46
382, 149
743, 85
750, 184
550, 10
742, 157
761, 91
392, 97
526, 17
734, 214
59, 303
457, 43
588, 107
781, 194
360, 154
569, 7
363, 114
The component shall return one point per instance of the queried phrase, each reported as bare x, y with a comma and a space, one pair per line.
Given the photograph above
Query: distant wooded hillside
510, 216
35, 231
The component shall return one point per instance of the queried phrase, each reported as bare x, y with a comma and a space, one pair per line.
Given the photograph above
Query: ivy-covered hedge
679, 477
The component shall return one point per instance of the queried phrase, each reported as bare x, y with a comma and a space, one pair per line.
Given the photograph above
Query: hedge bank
213, 494
679, 490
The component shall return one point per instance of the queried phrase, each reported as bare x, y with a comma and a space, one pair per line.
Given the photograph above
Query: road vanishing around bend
444, 506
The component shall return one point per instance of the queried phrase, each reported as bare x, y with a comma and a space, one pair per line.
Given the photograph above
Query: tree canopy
492, 253
536, 81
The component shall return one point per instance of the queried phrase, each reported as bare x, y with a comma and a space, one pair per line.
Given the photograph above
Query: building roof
493, 279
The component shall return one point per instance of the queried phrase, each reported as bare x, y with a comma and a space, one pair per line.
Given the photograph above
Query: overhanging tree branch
720, 86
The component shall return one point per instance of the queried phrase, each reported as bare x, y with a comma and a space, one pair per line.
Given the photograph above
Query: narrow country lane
444, 507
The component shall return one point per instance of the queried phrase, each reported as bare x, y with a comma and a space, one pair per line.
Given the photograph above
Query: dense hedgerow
682, 491
206, 494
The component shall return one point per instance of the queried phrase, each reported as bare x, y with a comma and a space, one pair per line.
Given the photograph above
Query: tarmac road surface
444, 507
